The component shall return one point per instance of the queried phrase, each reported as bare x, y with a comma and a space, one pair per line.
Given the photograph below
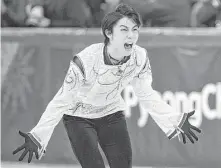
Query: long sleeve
163, 114
63, 101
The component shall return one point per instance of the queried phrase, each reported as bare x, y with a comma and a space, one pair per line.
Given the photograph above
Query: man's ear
108, 33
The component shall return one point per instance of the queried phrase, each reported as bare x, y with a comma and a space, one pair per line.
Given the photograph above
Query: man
57, 13
163, 13
218, 20
90, 101
206, 13
12, 13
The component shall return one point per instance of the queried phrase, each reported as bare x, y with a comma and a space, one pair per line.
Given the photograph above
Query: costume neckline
107, 62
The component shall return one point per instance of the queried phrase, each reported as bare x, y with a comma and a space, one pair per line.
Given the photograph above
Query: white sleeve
163, 114
63, 101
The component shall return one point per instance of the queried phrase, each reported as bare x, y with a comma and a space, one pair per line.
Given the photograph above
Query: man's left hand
187, 130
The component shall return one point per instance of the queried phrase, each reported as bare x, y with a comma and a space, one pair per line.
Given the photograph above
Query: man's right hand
29, 146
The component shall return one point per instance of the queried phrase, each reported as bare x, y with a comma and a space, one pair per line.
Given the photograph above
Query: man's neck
114, 53
109, 60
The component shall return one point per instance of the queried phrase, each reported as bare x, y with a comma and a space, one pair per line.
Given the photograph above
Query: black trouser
111, 133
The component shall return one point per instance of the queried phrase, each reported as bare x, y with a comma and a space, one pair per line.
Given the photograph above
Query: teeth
127, 45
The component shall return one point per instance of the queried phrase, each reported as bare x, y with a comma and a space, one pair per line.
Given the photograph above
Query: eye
135, 29
123, 29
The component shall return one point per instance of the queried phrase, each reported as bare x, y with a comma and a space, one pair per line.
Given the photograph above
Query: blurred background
183, 40
89, 13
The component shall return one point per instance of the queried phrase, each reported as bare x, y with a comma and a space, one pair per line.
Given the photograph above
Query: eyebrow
127, 27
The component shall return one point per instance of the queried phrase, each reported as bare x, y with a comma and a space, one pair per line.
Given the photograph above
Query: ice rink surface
33, 165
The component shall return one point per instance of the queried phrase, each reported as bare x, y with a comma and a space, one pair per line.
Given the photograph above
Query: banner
186, 67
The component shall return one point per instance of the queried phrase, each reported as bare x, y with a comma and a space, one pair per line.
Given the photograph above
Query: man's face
124, 36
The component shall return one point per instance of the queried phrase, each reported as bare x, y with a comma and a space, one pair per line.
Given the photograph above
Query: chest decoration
112, 81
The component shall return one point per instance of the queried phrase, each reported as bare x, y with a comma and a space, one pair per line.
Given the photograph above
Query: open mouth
128, 46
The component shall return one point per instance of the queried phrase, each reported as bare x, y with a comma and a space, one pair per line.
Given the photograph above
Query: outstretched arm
169, 120
63, 102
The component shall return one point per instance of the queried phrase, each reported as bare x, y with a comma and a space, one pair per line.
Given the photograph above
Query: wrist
34, 140
41, 148
178, 128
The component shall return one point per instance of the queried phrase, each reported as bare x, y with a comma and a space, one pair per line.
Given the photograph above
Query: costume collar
107, 58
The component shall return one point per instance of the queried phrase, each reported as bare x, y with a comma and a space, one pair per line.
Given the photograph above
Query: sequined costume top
94, 91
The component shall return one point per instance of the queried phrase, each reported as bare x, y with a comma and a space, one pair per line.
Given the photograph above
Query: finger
193, 135
22, 134
36, 155
191, 113
18, 149
23, 155
195, 128
190, 138
179, 137
30, 156
184, 138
